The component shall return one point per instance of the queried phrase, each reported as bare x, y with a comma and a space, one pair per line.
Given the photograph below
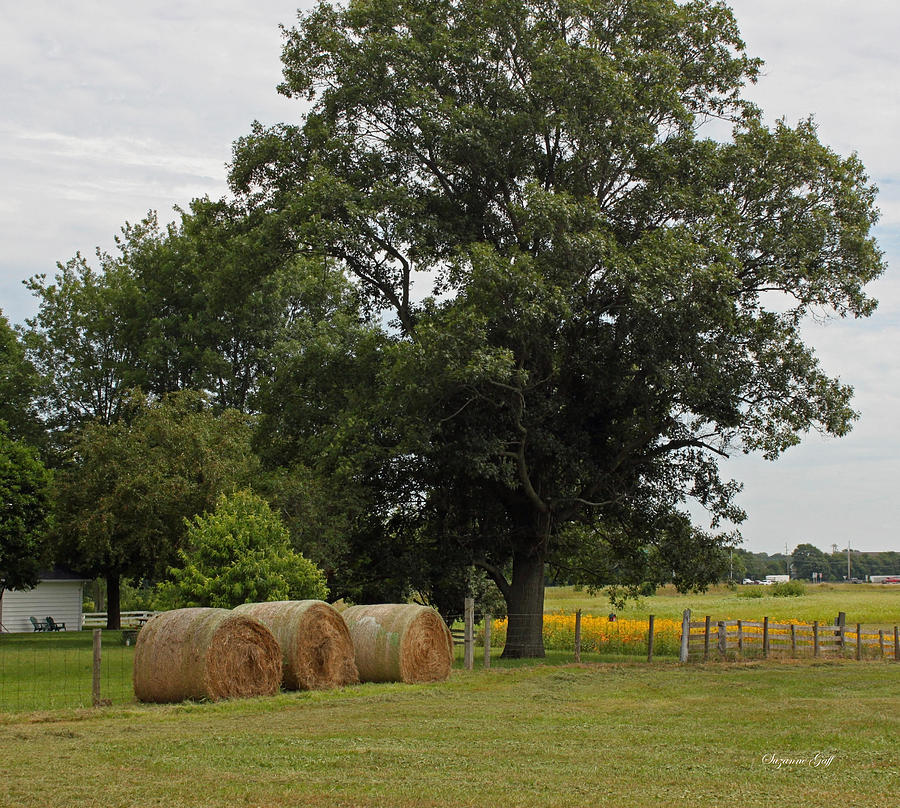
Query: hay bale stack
316, 649
205, 654
399, 642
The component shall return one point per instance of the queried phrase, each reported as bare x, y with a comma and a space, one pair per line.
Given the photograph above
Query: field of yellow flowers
629, 636
600, 635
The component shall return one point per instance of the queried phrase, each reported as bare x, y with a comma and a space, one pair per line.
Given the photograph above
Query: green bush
789, 589
240, 553
755, 592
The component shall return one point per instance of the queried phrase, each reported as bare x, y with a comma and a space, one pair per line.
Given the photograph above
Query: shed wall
61, 600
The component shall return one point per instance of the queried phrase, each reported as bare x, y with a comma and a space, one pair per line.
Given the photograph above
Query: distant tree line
807, 559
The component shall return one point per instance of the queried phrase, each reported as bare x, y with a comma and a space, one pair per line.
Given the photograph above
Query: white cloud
110, 111
115, 152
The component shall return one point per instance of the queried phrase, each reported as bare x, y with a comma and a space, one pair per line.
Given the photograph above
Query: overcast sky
113, 109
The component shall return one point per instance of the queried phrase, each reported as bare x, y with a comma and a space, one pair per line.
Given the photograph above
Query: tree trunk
525, 604
113, 607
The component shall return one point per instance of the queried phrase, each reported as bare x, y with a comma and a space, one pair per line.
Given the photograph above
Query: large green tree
128, 487
616, 299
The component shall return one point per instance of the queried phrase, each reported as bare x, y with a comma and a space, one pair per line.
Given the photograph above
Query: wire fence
55, 671
583, 635
587, 636
738, 639
48, 671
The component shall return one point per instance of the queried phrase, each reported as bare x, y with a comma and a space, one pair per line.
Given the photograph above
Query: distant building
57, 595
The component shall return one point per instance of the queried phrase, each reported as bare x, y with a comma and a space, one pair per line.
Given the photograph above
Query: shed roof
61, 574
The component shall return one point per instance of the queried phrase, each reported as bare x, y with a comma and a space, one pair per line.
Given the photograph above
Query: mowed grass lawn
594, 735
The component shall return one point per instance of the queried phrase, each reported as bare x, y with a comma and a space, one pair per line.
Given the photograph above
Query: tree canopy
127, 487
19, 388
613, 300
194, 305
25, 499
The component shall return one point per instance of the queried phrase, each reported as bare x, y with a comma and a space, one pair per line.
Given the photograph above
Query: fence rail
129, 619
726, 638
62, 670
692, 640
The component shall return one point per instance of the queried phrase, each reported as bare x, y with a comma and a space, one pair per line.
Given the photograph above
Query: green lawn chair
53, 626
39, 625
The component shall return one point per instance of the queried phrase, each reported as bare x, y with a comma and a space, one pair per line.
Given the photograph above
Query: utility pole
848, 561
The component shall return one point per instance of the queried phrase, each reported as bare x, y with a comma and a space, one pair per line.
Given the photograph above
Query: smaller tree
19, 383
24, 509
808, 559
240, 553
127, 487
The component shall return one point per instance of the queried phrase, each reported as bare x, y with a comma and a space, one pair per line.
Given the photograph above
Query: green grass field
874, 605
614, 731
590, 735
40, 672
49, 671
46, 671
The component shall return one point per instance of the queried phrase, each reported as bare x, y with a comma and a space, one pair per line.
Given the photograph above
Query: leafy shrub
789, 589
240, 553
753, 592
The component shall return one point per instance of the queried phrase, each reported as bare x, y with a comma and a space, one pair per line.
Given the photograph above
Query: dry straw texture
205, 654
399, 642
317, 652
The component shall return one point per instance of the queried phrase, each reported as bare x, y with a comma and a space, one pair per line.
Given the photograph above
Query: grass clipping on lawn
399, 642
317, 652
204, 653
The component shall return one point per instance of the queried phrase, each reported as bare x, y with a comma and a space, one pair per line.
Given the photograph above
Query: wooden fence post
765, 637
650, 640
740, 638
686, 632
793, 640
96, 677
469, 654
706, 641
881, 642
815, 638
723, 639
841, 622
578, 635
896, 644
488, 619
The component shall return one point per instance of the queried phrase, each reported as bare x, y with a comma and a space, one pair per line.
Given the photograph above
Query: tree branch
496, 575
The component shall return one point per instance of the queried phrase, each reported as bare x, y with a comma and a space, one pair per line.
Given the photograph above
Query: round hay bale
316, 649
204, 653
399, 642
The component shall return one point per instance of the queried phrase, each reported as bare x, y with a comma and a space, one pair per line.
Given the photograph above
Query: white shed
58, 595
